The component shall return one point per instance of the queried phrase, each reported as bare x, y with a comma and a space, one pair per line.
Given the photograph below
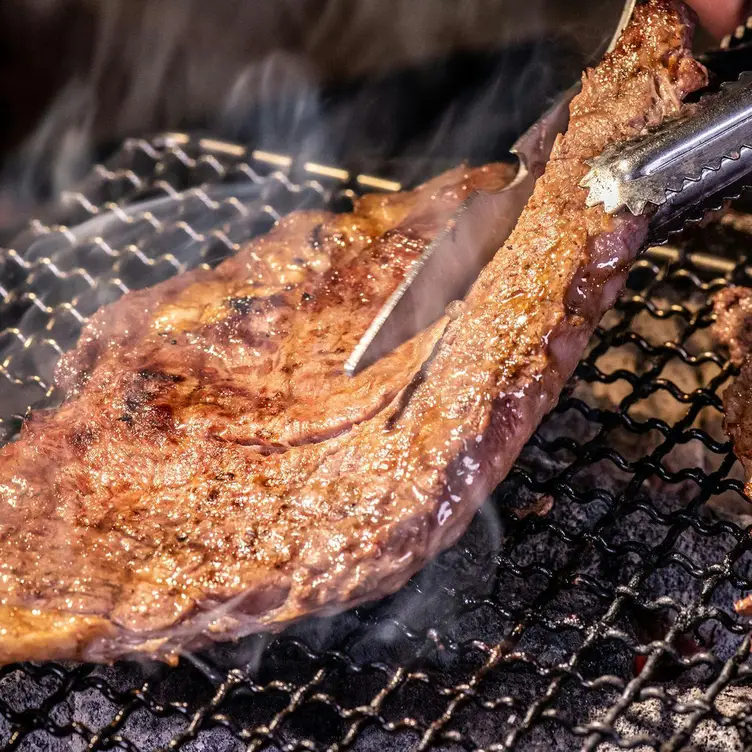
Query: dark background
380, 85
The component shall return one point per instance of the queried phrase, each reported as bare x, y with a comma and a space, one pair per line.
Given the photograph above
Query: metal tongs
684, 169
679, 172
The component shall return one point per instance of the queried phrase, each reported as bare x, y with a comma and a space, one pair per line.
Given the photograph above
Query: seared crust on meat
213, 472
737, 422
732, 328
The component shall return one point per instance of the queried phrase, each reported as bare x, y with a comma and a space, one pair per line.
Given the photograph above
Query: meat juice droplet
610, 264
444, 513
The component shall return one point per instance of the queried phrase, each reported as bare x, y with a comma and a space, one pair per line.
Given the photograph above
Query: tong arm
686, 167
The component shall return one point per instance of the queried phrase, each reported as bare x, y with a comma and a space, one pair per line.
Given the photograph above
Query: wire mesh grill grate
605, 622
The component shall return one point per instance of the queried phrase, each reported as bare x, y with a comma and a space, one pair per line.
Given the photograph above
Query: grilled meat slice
732, 328
213, 473
737, 405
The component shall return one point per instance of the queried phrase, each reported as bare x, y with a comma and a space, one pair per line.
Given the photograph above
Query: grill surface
607, 622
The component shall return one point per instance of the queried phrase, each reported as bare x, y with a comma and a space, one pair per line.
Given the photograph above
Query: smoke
285, 79
330, 79
60, 150
153, 72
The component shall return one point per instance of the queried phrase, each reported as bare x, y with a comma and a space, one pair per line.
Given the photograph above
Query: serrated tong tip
685, 164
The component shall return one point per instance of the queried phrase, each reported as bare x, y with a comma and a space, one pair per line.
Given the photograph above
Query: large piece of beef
212, 472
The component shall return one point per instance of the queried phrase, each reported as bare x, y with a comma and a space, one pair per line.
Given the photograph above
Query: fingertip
719, 17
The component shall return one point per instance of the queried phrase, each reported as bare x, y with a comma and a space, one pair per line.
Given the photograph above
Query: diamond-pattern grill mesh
604, 621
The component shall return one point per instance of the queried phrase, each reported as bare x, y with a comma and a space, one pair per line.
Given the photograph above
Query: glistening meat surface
212, 472
733, 329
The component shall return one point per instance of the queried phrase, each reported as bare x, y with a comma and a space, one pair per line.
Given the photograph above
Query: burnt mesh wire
602, 620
